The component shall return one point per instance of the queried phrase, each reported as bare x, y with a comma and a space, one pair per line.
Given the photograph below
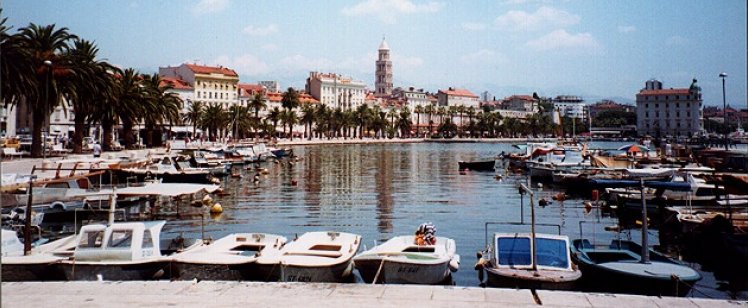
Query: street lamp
48, 64
723, 75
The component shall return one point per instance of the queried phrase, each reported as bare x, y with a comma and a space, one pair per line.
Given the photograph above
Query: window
91, 239
514, 251
551, 252
147, 239
120, 239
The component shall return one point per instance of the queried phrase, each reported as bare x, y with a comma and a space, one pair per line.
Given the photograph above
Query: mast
645, 237
532, 227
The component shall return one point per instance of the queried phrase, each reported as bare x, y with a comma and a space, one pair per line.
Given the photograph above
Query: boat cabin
127, 241
513, 250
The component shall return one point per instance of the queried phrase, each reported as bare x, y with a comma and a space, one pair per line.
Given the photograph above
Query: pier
263, 294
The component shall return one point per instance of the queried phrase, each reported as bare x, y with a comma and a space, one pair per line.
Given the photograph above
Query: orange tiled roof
459, 92
200, 69
682, 91
176, 83
247, 89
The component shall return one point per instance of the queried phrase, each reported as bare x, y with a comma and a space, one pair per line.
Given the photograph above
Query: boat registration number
298, 278
407, 269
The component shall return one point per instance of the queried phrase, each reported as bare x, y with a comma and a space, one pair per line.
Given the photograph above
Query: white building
383, 82
570, 106
457, 97
211, 85
336, 91
668, 112
524, 103
270, 85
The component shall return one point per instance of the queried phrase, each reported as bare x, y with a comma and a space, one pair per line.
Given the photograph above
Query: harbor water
384, 190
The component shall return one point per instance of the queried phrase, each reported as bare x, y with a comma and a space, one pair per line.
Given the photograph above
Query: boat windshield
513, 251
552, 252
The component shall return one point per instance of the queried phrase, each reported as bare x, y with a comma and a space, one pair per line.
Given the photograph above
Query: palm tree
162, 106
274, 116
404, 123
307, 117
257, 104
289, 118
430, 111
290, 99
16, 72
323, 121
471, 113
418, 110
50, 70
213, 120
92, 83
362, 115
239, 120
392, 113
193, 115
129, 103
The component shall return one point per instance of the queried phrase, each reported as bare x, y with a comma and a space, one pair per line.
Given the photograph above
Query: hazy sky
582, 47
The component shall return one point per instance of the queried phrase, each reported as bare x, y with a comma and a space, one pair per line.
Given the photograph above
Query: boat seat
328, 254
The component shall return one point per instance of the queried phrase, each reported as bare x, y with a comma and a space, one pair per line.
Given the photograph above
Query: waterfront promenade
262, 294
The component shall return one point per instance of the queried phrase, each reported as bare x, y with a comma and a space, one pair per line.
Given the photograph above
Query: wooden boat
313, 257
122, 251
40, 265
400, 260
528, 260
627, 267
229, 258
512, 265
487, 165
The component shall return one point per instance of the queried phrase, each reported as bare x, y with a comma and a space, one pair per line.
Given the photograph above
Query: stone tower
383, 82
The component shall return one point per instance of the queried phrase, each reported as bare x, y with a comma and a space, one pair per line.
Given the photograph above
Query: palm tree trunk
80, 125
36, 131
127, 133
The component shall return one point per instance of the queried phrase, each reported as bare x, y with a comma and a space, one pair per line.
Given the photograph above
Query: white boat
400, 260
40, 265
229, 258
121, 251
313, 257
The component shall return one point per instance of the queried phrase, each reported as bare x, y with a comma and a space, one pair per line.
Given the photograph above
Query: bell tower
383, 82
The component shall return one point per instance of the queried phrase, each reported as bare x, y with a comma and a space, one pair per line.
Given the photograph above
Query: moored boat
487, 165
229, 258
121, 251
401, 260
40, 265
313, 257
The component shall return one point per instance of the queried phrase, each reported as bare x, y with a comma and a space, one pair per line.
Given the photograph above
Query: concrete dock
261, 294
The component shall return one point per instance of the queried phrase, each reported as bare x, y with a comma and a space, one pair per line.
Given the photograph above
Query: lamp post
723, 75
48, 64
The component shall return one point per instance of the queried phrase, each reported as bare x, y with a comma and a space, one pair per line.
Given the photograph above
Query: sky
594, 49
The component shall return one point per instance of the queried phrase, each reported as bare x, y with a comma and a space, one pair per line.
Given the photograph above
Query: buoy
216, 208
540, 185
543, 202
497, 177
559, 196
264, 171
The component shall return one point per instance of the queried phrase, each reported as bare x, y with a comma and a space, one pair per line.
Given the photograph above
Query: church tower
383, 82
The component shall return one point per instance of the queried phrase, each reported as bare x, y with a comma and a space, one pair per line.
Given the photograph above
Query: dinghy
229, 258
401, 260
313, 257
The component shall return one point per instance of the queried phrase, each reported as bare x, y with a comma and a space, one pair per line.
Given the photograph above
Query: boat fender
158, 274
613, 228
207, 200
216, 208
479, 266
454, 264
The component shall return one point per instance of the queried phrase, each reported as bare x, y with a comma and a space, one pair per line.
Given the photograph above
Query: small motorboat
511, 263
401, 260
40, 265
487, 165
122, 251
528, 260
229, 258
620, 268
313, 257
